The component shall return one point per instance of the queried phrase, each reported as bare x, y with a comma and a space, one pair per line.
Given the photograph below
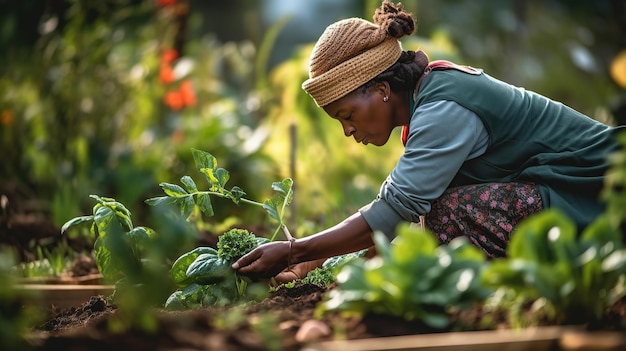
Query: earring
386, 98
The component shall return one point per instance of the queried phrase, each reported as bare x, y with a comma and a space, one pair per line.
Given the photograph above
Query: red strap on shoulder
405, 134
439, 65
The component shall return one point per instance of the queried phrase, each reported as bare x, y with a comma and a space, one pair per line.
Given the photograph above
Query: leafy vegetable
235, 243
205, 277
575, 277
412, 278
132, 258
119, 246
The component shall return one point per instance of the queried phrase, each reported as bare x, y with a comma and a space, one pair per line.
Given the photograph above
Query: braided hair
405, 72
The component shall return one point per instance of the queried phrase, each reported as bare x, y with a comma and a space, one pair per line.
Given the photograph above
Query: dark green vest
531, 139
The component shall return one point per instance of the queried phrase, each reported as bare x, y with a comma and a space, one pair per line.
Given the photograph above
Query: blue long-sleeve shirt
442, 135
470, 128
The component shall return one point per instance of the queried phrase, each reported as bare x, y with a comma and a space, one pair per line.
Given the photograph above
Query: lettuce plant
204, 275
326, 275
574, 276
413, 278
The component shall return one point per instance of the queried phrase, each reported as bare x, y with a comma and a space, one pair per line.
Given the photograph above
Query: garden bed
281, 321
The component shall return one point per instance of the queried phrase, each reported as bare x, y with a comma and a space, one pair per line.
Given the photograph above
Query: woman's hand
268, 260
298, 271
264, 262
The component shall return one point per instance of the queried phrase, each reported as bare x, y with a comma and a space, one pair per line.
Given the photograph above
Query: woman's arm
351, 235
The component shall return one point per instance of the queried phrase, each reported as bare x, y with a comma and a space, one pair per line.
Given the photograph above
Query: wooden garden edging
66, 295
530, 339
66, 292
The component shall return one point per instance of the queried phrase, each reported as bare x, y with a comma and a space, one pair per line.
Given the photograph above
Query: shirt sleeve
442, 135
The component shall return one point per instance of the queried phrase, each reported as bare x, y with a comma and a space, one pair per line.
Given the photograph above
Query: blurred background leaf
109, 97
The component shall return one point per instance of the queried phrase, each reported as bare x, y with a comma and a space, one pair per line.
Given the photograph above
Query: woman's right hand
265, 261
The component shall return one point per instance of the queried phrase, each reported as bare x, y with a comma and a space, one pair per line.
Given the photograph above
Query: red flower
174, 100
166, 74
165, 2
169, 55
184, 96
187, 93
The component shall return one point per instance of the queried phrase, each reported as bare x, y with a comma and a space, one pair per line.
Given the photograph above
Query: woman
480, 154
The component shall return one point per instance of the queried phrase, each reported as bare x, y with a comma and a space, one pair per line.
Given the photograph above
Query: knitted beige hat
348, 54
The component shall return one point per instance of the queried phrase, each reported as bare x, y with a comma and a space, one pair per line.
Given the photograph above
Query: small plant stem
248, 201
251, 202
287, 233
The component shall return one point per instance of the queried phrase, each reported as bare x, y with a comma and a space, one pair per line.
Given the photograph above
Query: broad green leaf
236, 194
182, 263
461, 247
186, 205
103, 217
203, 201
173, 189
189, 184
76, 221
222, 177
111, 210
600, 232
216, 177
616, 261
503, 272
383, 247
275, 205
285, 188
203, 159
372, 272
531, 240
176, 302
162, 200
271, 207
106, 266
209, 269
139, 238
412, 240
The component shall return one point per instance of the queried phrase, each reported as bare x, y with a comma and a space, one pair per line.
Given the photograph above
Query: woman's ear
382, 88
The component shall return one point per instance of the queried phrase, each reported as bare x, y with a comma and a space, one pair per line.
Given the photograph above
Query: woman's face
365, 115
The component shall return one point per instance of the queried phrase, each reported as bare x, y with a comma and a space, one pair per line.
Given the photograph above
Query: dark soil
285, 320
288, 312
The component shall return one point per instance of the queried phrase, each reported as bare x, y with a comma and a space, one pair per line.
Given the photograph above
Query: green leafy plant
326, 275
48, 262
203, 274
574, 277
133, 258
192, 201
413, 278
205, 277
119, 246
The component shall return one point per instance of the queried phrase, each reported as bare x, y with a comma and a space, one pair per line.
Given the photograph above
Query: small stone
312, 330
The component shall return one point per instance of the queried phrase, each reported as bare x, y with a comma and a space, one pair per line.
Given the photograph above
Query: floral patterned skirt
485, 213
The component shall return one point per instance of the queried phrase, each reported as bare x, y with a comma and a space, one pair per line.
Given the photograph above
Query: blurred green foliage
85, 107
